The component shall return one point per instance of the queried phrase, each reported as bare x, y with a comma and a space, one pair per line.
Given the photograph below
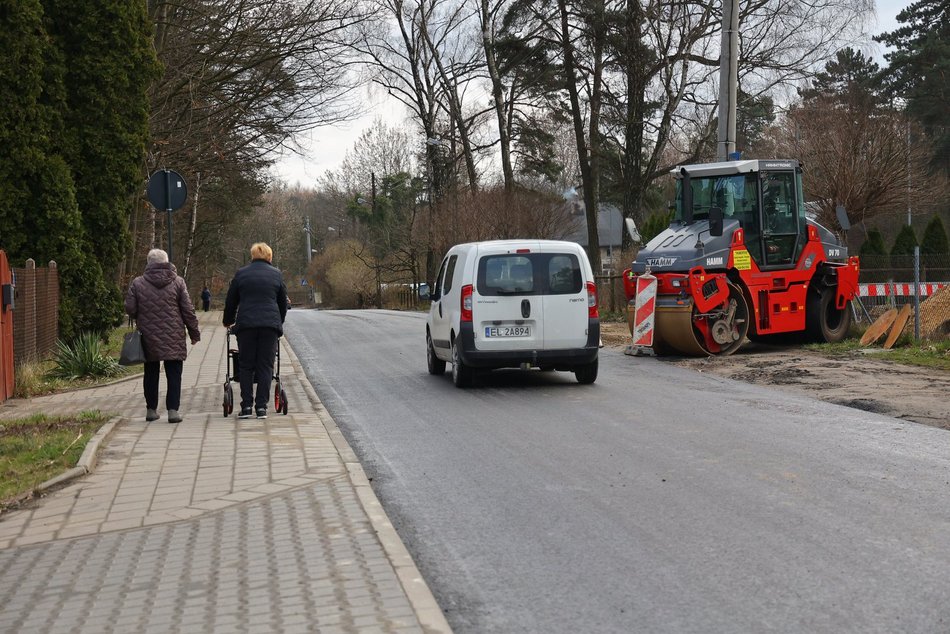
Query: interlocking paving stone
150, 577
208, 525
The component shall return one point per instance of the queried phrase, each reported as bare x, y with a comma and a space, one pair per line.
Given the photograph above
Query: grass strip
37, 448
928, 354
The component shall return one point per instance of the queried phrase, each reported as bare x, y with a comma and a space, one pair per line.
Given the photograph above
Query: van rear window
529, 274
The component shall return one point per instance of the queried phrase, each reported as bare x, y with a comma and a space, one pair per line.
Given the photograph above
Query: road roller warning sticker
741, 260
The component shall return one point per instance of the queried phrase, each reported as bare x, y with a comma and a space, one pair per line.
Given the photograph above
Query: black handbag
133, 352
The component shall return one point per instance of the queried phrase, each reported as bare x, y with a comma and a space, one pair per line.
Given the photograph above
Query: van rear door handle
525, 308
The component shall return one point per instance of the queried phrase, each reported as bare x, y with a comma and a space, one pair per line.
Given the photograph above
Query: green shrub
84, 358
935, 238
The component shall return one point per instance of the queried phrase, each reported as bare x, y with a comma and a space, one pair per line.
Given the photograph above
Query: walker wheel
283, 402
228, 403
278, 396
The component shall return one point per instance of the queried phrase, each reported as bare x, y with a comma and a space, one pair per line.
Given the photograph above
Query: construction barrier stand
644, 311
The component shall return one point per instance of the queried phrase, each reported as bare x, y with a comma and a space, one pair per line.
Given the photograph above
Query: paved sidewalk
212, 524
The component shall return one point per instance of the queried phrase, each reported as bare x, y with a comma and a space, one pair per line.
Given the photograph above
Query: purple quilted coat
158, 301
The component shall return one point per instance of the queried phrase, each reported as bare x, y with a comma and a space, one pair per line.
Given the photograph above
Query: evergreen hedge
74, 122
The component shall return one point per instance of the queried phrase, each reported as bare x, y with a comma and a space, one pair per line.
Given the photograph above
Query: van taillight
466, 304
592, 311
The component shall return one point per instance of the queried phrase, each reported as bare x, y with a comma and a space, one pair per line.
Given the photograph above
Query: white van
513, 303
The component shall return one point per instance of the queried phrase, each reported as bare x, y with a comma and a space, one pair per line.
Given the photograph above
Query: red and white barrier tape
898, 289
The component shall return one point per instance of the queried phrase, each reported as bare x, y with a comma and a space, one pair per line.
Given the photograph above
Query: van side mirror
632, 230
715, 221
423, 291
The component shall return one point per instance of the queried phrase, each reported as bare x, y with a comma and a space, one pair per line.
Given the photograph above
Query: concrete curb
87, 461
420, 596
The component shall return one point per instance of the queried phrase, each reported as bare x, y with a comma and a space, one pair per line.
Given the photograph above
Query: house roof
609, 226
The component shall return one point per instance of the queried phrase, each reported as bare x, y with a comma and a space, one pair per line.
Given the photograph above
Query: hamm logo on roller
657, 262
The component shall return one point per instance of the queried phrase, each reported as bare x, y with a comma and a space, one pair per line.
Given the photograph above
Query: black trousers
206, 304
172, 377
257, 348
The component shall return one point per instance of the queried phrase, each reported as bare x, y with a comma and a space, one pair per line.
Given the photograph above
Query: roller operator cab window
735, 195
780, 218
529, 274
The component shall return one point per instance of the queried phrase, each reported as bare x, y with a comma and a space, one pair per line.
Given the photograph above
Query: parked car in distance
511, 304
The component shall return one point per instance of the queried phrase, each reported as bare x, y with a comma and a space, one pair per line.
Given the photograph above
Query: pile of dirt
935, 315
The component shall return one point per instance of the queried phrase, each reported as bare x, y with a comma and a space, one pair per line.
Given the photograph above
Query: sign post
167, 191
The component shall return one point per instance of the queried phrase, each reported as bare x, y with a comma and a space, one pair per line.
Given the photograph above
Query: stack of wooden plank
934, 320
892, 320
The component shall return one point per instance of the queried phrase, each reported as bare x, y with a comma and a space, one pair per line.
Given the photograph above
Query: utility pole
908, 165
307, 230
728, 79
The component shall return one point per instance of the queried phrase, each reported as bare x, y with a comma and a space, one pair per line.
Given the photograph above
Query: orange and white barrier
644, 311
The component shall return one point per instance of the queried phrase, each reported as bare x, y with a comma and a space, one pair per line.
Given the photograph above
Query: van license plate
508, 331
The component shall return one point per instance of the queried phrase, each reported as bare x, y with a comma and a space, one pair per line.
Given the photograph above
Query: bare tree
861, 160
243, 78
660, 94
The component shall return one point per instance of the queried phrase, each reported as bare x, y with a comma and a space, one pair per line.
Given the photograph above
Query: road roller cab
514, 303
741, 259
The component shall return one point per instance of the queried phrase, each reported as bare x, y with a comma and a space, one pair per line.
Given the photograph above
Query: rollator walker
231, 373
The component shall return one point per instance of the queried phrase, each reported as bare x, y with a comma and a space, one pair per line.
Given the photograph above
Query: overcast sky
325, 148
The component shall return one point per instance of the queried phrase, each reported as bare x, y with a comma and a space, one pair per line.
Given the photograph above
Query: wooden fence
35, 312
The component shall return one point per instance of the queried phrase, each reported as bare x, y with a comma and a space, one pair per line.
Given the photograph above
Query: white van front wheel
461, 374
436, 365
586, 374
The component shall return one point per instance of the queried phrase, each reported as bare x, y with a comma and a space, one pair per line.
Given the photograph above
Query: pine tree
920, 69
905, 242
935, 238
851, 78
874, 245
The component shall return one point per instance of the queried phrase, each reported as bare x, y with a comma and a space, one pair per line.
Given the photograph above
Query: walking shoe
246, 412
150, 415
174, 416
261, 412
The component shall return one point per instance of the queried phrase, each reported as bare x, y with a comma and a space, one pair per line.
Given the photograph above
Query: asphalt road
658, 499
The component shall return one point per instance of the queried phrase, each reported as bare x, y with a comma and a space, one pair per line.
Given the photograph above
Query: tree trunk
192, 224
587, 159
455, 112
503, 136
635, 69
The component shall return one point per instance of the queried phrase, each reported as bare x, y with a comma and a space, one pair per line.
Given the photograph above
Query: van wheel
436, 365
461, 374
586, 374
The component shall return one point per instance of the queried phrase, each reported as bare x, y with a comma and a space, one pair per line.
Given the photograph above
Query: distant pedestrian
255, 307
206, 299
158, 300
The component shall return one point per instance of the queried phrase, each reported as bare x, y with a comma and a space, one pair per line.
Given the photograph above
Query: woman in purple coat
158, 300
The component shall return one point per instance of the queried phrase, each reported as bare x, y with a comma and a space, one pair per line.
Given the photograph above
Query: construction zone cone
643, 314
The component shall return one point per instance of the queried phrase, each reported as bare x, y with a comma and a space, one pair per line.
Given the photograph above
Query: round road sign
166, 190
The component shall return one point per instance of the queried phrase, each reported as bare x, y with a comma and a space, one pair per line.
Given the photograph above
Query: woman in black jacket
255, 309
